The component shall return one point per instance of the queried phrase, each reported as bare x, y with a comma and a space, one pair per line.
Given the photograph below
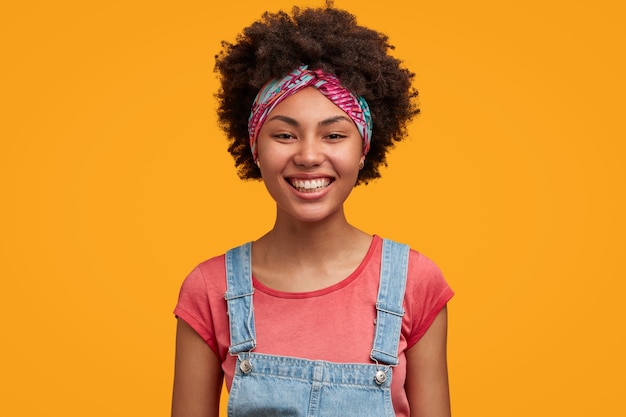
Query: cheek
353, 157
261, 150
267, 156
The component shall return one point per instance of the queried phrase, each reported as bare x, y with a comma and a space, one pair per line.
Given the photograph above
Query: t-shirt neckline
327, 290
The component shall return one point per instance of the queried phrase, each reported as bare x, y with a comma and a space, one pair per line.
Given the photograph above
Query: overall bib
269, 385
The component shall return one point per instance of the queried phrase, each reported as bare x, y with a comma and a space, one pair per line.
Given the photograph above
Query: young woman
316, 317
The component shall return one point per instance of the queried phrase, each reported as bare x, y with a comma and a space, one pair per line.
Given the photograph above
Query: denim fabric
239, 298
269, 385
394, 263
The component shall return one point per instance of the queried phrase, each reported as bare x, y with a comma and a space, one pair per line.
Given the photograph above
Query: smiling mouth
310, 186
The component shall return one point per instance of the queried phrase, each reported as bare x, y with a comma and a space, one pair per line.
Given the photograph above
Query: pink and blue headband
277, 90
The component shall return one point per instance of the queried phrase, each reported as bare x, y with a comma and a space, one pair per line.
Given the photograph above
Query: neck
313, 240
303, 256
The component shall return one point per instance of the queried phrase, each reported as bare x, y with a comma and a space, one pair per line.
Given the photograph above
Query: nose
309, 153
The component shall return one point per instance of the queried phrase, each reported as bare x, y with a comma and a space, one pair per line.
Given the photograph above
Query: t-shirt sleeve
194, 307
427, 293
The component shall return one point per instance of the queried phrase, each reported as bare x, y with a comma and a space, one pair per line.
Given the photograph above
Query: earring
258, 164
361, 164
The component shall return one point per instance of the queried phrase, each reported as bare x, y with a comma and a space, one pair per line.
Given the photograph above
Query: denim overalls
269, 385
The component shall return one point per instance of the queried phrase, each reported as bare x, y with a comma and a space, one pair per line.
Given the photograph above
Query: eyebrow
335, 119
293, 122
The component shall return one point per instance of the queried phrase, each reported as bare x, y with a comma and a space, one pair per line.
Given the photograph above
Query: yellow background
115, 182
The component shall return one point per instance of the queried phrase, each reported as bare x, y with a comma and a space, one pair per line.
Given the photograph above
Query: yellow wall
115, 182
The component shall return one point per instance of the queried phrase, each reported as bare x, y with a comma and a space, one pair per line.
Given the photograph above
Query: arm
427, 372
198, 376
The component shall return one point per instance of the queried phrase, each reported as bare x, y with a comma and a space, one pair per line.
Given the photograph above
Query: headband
276, 90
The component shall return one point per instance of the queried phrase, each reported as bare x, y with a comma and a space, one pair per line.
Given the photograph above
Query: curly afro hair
326, 38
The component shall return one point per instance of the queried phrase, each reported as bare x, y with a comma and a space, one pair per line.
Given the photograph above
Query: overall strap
393, 273
239, 299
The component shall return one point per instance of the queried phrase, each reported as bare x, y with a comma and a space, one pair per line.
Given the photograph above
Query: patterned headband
277, 90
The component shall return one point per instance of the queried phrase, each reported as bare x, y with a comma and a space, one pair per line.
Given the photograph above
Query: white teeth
310, 185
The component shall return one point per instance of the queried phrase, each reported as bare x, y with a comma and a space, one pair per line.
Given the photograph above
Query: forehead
307, 103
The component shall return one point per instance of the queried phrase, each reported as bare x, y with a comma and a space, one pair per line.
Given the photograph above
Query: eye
283, 136
335, 136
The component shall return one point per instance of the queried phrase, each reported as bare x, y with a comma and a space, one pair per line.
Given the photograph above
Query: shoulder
205, 286
424, 280
420, 267
201, 299
202, 289
424, 277
423, 268
206, 275
427, 292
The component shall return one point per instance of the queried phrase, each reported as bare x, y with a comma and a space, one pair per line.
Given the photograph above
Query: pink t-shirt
333, 324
